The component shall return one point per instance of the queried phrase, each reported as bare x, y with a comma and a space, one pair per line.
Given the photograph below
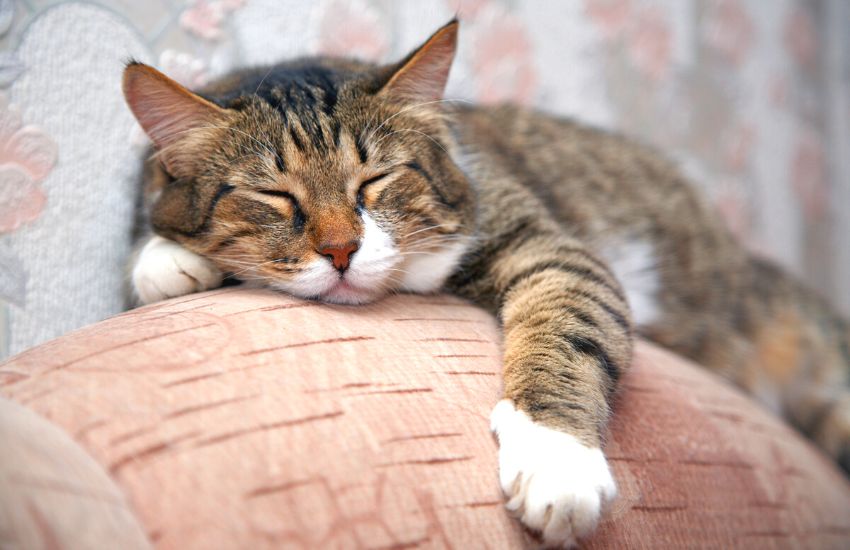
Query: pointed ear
166, 110
422, 75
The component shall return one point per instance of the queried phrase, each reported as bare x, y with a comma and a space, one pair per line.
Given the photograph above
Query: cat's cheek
164, 269
557, 486
428, 272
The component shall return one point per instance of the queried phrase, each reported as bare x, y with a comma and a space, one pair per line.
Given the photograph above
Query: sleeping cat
343, 181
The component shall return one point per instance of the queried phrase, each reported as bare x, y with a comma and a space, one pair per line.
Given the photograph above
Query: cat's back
595, 180
626, 202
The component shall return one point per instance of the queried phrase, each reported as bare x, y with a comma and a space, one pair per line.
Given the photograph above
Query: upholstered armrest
249, 419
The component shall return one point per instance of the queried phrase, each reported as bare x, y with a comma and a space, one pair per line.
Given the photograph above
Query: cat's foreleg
165, 269
567, 336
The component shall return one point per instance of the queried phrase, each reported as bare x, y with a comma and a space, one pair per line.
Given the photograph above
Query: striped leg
567, 335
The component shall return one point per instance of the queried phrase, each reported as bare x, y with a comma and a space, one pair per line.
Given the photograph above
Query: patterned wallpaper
752, 98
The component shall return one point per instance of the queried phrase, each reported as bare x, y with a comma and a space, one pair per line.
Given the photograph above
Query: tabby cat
343, 181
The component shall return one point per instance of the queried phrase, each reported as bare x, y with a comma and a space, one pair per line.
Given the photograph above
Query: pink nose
340, 255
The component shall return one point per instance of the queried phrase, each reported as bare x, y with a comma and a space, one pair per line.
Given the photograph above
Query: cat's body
691, 286
343, 181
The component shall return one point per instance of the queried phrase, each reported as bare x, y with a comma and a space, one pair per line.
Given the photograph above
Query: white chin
347, 294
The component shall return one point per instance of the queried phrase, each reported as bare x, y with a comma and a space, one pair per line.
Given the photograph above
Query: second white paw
164, 269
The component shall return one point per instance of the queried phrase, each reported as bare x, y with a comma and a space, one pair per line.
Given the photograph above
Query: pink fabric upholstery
244, 418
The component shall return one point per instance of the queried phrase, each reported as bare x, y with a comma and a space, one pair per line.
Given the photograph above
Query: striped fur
536, 218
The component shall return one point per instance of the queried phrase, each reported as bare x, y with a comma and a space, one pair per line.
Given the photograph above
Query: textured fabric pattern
303, 425
751, 97
53, 482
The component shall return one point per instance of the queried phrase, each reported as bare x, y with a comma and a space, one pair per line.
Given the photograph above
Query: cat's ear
166, 111
421, 76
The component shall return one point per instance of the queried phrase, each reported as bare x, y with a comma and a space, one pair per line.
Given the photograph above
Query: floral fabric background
752, 98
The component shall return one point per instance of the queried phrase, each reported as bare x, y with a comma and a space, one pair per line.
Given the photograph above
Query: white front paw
556, 485
164, 269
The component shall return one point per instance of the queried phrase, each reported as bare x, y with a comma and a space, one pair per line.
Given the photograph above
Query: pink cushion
242, 418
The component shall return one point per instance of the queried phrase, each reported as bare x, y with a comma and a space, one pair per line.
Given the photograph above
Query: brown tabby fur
541, 196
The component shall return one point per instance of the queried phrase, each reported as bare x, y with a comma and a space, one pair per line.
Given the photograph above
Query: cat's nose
340, 255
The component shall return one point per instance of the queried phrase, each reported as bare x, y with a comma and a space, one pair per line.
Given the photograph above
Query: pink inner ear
424, 76
165, 119
165, 109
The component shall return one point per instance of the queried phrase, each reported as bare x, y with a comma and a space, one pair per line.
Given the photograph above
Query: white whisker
440, 145
429, 228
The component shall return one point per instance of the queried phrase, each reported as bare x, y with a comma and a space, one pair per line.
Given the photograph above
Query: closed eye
298, 216
365, 184
276, 193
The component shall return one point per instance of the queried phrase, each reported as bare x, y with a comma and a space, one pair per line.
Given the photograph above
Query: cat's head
325, 178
